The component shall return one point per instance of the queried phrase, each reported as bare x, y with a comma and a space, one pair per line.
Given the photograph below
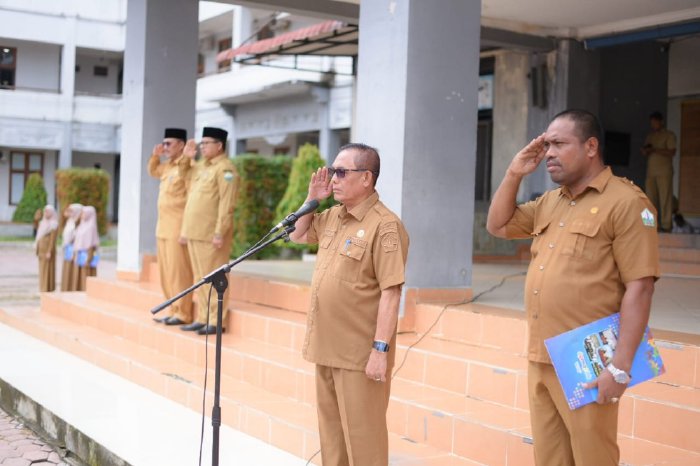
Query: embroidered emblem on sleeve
228, 176
648, 218
389, 237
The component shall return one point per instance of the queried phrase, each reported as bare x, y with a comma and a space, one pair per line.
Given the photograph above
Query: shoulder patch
648, 218
389, 236
228, 175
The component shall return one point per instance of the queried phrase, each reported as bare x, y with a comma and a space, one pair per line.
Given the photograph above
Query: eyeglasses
204, 143
341, 172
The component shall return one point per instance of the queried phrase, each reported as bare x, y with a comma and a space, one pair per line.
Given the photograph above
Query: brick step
278, 420
455, 370
689, 269
679, 255
427, 423
670, 240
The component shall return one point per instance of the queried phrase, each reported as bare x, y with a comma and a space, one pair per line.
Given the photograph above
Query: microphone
291, 219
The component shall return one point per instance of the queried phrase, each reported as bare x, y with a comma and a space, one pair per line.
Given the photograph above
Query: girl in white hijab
45, 247
85, 245
72, 216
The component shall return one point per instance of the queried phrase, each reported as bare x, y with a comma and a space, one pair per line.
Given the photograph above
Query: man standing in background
173, 259
208, 221
659, 148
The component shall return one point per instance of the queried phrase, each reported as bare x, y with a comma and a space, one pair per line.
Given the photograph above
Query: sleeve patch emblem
228, 176
648, 218
390, 241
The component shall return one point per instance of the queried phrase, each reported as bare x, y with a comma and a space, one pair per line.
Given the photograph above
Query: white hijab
48, 223
74, 211
86, 235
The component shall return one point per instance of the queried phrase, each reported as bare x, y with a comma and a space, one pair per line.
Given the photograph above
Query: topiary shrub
263, 181
87, 186
33, 198
308, 160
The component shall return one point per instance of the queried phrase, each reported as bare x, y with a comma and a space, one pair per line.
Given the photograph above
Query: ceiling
559, 18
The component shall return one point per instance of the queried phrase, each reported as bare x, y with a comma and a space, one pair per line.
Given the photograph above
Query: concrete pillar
417, 89
65, 154
160, 72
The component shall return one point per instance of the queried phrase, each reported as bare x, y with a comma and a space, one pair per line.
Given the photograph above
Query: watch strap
381, 346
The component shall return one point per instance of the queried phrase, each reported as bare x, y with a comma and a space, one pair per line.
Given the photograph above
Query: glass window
8, 64
22, 165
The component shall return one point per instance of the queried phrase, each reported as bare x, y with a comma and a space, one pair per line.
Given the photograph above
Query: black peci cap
215, 133
176, 133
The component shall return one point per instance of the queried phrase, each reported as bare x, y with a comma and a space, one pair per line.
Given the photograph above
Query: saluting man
173, 259
208, 221
355, 295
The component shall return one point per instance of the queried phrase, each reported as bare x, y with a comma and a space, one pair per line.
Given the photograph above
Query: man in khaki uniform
659, 148
173, 259
594, 253
355, 294
208, 221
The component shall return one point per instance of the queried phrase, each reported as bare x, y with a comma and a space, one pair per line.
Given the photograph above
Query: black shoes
174, 321
161, 320
192, 327
209, 330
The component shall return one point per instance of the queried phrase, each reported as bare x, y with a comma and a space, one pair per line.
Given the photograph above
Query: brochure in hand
581, 354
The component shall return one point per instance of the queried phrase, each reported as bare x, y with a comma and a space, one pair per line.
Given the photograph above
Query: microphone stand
219, 281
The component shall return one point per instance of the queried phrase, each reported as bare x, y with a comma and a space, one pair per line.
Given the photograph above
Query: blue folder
581, 354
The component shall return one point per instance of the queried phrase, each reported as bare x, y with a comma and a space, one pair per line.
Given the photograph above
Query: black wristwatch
381, 346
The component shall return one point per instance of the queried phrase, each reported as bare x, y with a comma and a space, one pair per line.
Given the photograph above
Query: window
23, 164
100, 71
225, 44
8, 65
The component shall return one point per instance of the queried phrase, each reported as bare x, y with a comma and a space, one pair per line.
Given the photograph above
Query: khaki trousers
659, 189
205, 258
586, 436
175, 275
352, 418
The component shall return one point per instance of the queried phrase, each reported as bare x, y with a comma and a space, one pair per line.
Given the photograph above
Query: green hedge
263, 181
33, 198
308, 160
87, 186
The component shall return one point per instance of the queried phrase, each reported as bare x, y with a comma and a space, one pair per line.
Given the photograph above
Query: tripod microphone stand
219, 281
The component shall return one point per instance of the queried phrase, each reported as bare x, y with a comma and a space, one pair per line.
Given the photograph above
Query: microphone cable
434, 323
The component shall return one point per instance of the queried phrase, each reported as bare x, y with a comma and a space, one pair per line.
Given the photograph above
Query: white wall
85, 79
684, 67
38, 65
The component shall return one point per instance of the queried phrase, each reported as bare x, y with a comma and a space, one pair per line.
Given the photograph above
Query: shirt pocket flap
326, 239
354, 248
585, 228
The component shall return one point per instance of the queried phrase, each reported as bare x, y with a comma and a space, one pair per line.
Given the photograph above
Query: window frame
26, 171
12, 67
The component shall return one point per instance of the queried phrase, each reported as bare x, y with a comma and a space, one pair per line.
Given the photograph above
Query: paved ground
20, 446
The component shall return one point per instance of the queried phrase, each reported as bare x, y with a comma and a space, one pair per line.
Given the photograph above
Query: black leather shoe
174, 321
209, 330
192, 327
161, 320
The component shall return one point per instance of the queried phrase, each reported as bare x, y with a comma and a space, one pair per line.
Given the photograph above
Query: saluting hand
158, 150
320, 185
527, 160
190, 149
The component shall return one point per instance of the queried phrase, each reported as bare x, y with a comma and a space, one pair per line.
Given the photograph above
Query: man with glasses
173, 259
356, 289
208, 222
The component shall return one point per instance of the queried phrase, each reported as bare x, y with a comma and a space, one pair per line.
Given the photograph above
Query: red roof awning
327, 38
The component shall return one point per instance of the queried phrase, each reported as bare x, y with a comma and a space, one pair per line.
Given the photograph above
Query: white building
60, 91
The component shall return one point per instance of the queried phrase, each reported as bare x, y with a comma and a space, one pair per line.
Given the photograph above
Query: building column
417, 89
65, 154
160, 72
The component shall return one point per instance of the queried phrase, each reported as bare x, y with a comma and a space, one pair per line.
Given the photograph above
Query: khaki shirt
584, 250
360, 253
211, 199
662, 139
172, 195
